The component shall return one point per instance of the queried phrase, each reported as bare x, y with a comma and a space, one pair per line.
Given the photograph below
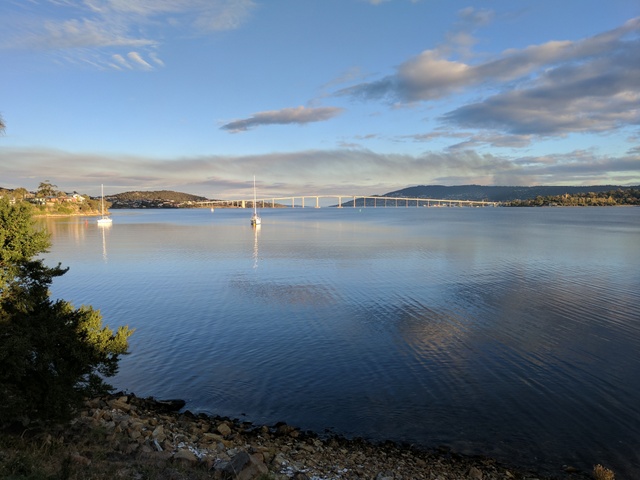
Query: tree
46, 189
52, 355
20, 193
2, 125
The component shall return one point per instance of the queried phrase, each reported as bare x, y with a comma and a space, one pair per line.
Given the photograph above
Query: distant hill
154, 199
167, 195
495, 193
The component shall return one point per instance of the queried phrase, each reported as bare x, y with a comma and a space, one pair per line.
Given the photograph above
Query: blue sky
318, 96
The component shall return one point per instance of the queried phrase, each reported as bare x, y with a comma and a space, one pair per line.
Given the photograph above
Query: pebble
246, 452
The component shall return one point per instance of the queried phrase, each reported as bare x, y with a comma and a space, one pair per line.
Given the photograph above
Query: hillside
496, 193
154, 199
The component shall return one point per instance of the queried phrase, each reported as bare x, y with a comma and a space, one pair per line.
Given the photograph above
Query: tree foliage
160, 195
52, 355
618, 197
46, 189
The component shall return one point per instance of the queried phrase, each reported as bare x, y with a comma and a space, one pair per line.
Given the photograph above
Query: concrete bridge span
347, 201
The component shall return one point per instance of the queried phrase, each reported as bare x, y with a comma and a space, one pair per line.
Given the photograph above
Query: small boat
103, 220
255, 218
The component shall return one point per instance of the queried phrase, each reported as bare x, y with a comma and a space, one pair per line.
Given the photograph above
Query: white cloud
559, 87
155, 59
120, 61
298, 115
89, 27
138, 60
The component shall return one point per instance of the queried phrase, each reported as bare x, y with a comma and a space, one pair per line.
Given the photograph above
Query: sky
353, 97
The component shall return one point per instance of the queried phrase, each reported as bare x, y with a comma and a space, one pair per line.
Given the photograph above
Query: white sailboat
255, 218
103, 220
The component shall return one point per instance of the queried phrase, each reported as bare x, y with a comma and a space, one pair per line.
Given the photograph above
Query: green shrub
52, 355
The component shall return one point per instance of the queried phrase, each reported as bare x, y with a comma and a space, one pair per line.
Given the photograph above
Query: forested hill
496, 193
158, 195
153, 199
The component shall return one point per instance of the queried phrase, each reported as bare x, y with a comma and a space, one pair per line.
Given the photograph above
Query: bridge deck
302, 201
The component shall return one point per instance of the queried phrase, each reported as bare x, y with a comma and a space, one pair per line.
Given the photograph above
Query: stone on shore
139, 428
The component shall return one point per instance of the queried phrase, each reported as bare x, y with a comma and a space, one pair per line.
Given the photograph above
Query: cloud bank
341, 171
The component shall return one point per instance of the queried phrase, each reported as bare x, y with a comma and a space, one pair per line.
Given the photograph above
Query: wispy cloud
136, 58
379, 2
119, 62
107, 26
298, 115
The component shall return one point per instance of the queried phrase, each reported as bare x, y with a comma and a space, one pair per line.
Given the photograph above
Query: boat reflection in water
256, 234
104, 227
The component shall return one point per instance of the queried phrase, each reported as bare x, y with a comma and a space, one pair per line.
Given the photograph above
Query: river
513, 333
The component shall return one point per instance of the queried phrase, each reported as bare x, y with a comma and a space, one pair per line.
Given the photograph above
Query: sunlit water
513, 333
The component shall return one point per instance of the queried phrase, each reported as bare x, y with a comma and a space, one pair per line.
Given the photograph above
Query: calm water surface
513, 333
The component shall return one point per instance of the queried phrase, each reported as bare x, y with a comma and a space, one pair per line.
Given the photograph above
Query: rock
158, 433
120, 404
242, 467
211, 438
185, 456
240, 451
238, 462
170, 405
255, 469
224, 429
284, 429
475, 473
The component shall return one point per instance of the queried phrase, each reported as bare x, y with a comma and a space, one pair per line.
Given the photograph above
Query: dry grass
81, 457
602, 473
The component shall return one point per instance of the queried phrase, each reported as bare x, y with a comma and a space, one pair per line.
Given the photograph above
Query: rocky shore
130, 437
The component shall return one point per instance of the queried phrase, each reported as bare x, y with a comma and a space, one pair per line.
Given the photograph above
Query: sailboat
255, 218
103, 220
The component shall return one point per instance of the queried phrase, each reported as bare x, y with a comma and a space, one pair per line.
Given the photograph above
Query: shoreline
122, 434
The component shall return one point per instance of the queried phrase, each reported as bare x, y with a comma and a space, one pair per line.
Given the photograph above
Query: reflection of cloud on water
286, 293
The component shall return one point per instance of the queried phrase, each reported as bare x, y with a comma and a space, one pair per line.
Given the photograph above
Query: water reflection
457, 327
104, 227
256, 234
66, 227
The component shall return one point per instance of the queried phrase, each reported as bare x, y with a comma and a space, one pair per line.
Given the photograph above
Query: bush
52, 355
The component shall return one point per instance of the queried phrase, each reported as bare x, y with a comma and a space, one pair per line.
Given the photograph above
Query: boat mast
255, 211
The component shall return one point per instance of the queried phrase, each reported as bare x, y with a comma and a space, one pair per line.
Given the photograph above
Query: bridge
363, 201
